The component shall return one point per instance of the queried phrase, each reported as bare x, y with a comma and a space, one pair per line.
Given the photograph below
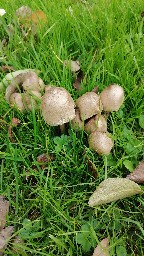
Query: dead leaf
113, 189
10, 134
102, 248
23, 13
73, 65
138, 174
79, 80
6, 68
42, 158
95, 89
4, 209
142, 14
15, 122
5, 234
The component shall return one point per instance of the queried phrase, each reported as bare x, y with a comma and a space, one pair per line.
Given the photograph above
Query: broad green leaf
128, 164
113, 189
141, 121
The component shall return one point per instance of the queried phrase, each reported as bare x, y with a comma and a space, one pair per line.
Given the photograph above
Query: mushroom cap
23, 12
74, 65
96, 123
89, 105
57, 106
16, 99
112, 97
77, 123
100, 142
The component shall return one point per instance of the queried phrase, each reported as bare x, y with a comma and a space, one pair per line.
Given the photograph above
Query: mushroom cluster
88, 115
25, 91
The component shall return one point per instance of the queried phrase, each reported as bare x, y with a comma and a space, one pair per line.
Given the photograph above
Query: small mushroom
96, 123
100, 142
77, 123
74, 65
112, 97
89, 104
22, 89
57, 106
16, 99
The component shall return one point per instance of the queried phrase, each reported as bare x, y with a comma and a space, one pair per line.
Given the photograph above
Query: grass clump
49, 206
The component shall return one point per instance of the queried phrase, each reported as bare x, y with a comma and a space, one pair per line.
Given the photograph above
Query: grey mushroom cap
89, 104
96, 123
112, 97
100, 142
57, 106
16, 100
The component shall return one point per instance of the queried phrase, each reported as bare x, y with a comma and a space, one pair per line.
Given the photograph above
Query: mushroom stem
62, 128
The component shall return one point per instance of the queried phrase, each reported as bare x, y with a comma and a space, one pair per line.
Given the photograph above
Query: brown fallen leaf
138, 174
102, 248
6, 68
113, 189
78, 81
4, 209
95, 89
42, 158
5, 234
15, 122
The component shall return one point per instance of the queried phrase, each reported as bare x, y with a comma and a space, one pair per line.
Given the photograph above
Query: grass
49, 208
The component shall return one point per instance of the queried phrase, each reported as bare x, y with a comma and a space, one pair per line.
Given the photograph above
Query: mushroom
16, 99
112, 97
89, 104
74, 65
77, 123
57, 107
96, 123
22, 89
100, 142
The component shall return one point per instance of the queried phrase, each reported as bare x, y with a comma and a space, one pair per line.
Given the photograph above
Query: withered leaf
5, 234
95, 89
4, 209
113, 189
102, 248
138, 174
10, 134
78, 81
6, 68
15, 121
42, 158
142, 14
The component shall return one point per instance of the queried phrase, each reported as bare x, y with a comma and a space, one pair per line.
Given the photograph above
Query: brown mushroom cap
57, 106
96, 123
77, 123
100, 142
89, 105
112, 97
